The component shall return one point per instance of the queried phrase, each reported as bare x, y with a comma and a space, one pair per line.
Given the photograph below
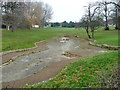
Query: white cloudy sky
68, 10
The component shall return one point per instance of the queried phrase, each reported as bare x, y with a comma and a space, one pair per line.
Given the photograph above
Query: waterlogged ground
28, 65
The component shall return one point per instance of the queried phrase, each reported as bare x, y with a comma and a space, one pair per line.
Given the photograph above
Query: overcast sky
68, 10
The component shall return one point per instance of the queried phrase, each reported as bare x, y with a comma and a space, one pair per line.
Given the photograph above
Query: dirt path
78, 52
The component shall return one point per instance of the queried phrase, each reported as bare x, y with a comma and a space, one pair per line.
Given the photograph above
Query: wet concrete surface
28, 65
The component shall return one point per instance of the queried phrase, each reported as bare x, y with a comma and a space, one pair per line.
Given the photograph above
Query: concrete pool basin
30, 64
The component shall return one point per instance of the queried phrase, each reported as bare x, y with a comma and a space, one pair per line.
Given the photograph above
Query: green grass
107, 37
85, 72
26, 38
103, 28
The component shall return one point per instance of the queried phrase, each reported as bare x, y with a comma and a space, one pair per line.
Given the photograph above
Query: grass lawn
86, 73
107, 37
103, 28
26, 38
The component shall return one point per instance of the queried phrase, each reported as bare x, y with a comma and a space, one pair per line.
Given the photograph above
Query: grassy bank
92, 72
26, 38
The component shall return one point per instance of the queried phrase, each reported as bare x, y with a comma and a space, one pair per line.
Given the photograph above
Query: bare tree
104, 6
91, 11
46, 13
27, 14
84, 23
38, 13
116, 7
13, 12
117, 13
119, 16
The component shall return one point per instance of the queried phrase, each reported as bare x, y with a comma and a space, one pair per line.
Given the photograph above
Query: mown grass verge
96, 72
21, 39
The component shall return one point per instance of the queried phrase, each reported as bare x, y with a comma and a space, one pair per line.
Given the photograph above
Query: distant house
35, 26
110, 23
48, 25
6, 27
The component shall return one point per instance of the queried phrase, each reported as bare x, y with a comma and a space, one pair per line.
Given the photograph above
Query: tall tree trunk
119, 22
116, 27
106, 17
106, 24
88, 32
92, 29
119, 17
13, 28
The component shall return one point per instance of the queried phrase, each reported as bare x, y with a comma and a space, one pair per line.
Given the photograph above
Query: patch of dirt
69, 54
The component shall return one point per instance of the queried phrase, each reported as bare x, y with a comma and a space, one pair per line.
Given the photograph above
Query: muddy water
30, 64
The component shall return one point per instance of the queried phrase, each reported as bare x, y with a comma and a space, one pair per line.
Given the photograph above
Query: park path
40, 66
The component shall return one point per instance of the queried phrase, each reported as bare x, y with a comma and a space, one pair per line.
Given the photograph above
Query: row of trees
98, 14
25, 14
63, 24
